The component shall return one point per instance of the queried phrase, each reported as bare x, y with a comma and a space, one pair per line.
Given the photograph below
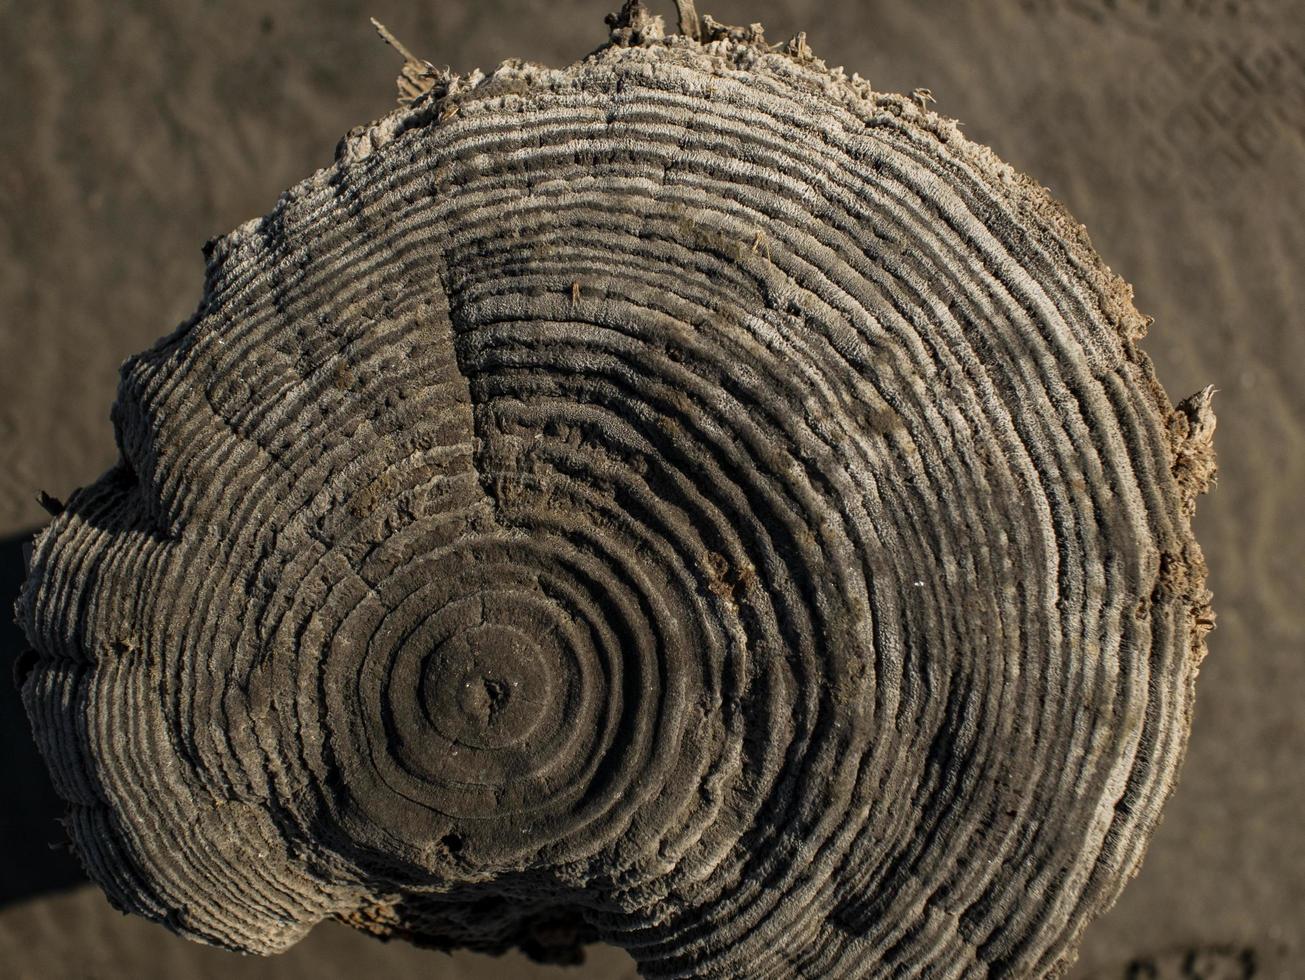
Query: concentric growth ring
686, 500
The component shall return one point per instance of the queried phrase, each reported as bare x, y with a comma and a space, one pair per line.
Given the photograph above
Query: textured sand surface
1174, 129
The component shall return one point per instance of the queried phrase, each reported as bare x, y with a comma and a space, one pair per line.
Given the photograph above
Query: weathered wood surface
686, 500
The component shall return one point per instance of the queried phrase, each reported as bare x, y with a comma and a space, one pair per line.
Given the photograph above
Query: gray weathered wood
687, 500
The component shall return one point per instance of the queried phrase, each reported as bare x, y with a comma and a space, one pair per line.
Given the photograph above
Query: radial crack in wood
686, 500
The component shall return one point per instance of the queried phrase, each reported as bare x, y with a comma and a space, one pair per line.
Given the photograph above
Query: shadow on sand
34, 859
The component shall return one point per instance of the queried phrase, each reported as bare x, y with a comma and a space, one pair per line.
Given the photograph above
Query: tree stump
685, 500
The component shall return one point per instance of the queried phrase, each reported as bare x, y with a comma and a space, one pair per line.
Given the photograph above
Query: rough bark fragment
687, 500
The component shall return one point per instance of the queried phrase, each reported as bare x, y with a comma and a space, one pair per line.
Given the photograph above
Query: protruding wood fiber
687, 500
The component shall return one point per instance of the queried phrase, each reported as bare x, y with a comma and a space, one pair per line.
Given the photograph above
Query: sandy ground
131, 132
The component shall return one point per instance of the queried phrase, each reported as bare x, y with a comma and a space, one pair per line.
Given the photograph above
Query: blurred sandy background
133, 130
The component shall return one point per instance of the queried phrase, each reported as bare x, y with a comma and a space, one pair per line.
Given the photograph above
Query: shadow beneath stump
33, 857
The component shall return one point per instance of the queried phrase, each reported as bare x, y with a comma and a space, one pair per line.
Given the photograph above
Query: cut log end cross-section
686, 500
